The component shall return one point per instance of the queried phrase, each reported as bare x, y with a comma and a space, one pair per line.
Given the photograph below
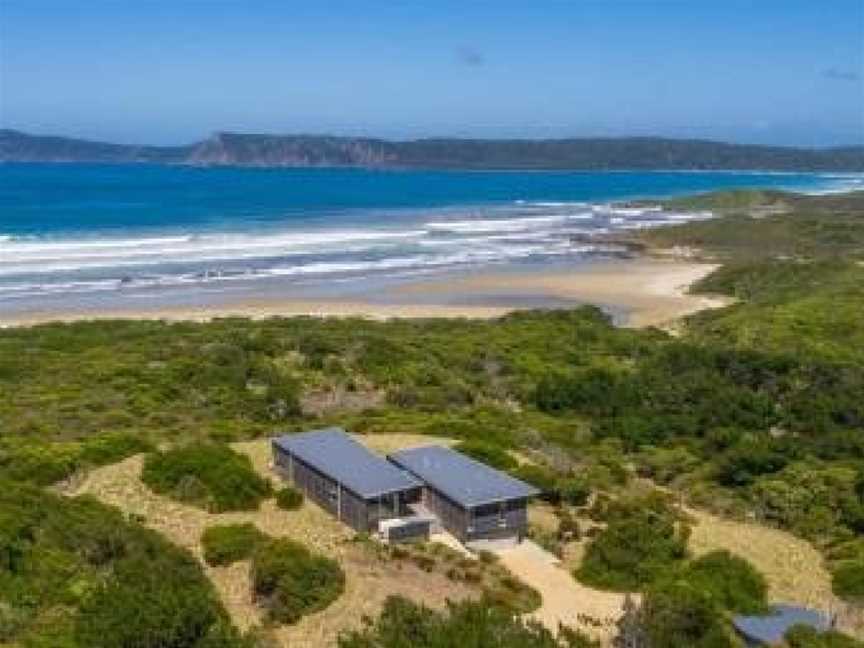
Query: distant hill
235, 149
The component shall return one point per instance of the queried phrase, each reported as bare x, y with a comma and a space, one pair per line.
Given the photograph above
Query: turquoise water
75, 231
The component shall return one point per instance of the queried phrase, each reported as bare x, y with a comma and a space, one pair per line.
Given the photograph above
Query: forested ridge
753, 410
586, 153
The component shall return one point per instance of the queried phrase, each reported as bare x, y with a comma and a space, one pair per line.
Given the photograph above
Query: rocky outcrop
291, 151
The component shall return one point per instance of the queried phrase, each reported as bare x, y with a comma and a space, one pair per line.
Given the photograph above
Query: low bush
732, 582
656, 503
664, 465
676, 613
225, 545
113, 447
289, 499
803, 636
37, 462
633, 552
847, 580
75, 573
290, 582
543, 479
487, 453
209, 475
43, 463
404, 623
574, 491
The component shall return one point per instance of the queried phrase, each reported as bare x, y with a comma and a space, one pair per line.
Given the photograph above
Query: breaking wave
411, 242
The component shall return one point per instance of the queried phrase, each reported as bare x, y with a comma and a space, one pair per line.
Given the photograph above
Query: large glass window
383, 507
489, 510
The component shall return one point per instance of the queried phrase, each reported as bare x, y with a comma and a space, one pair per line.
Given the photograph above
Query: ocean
99, 235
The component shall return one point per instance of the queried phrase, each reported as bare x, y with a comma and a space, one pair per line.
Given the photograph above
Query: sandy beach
643, 292
638, 293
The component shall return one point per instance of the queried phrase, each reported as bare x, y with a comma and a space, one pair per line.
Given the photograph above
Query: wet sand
637, 293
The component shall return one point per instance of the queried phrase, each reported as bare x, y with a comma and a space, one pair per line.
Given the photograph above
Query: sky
785, 72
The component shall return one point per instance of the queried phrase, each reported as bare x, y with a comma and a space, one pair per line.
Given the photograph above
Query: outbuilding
343, 477
771, 628
470, 499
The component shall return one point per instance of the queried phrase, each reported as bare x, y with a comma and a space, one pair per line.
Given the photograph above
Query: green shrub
110, 448
487, 453
74, 573
209, 475
733, 583
147, 605
574, 491
655, 503
481, 624
676, 613
663, 465
224, 545
803, 636
543, 479
744, 462
632, 552
43, 463
847, 579
290, 582
38, 462
289, 498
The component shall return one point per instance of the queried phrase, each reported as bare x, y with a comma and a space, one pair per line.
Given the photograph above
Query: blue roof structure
770, 629
465, 481
335, 454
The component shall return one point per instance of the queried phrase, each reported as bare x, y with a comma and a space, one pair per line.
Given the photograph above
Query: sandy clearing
565, 600
793, 567
369, 581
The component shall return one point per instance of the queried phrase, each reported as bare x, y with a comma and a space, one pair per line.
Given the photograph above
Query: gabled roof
771, 628
467, 482
334, 453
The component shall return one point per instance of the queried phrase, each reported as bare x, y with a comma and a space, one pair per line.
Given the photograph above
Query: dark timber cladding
472, 500
343, 477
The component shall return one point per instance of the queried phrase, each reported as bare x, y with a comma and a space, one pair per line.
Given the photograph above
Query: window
490, 510
332, 491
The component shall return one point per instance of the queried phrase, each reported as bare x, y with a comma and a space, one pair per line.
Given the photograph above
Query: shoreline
637, 293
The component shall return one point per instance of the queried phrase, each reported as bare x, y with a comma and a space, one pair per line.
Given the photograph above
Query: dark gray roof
771, 628
334, 453
467, 482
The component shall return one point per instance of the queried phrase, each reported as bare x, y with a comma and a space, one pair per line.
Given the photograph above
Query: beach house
344, 478
470, 499
408, 494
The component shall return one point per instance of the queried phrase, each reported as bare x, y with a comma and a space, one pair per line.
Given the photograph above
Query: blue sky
148, 71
